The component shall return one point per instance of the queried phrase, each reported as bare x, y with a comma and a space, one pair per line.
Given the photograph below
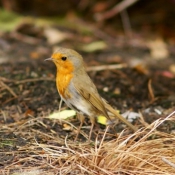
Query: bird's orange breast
62, 83
63, 79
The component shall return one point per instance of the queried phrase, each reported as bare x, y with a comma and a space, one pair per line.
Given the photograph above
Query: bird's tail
114, 112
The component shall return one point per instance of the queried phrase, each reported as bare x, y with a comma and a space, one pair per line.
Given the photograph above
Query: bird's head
66, 59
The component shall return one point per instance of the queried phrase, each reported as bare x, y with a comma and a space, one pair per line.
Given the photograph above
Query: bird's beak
48, 59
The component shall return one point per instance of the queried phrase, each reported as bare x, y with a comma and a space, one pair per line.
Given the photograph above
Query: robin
77, 89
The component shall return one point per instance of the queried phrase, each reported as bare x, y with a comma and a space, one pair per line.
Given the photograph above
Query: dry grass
145, 152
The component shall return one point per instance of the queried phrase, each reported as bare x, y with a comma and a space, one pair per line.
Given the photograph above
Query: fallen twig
106, 67
26, 80
8, 88
126, 23
168, 162
150, 89
115, 10
34, 80
24, 38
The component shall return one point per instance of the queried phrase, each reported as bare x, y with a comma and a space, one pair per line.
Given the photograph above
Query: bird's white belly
79, 105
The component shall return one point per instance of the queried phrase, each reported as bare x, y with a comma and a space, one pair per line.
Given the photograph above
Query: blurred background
129, 17
128, 23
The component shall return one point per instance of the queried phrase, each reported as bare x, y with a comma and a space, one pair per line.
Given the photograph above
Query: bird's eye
64, 58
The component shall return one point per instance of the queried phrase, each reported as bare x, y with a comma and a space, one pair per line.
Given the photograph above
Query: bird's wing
91, 95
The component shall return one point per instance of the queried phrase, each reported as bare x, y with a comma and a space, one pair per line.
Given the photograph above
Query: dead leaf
34, 55
67, 127
55, 36
62, 115
172, 68
158, 49
94, 46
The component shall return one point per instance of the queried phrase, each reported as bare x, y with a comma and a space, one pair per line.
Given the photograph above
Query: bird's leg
81, 119
92, 119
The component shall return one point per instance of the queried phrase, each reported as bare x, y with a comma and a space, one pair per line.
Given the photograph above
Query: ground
28, 95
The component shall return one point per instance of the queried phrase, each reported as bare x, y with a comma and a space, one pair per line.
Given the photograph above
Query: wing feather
93, 97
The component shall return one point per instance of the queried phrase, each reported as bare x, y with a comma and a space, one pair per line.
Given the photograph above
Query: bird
77, 90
